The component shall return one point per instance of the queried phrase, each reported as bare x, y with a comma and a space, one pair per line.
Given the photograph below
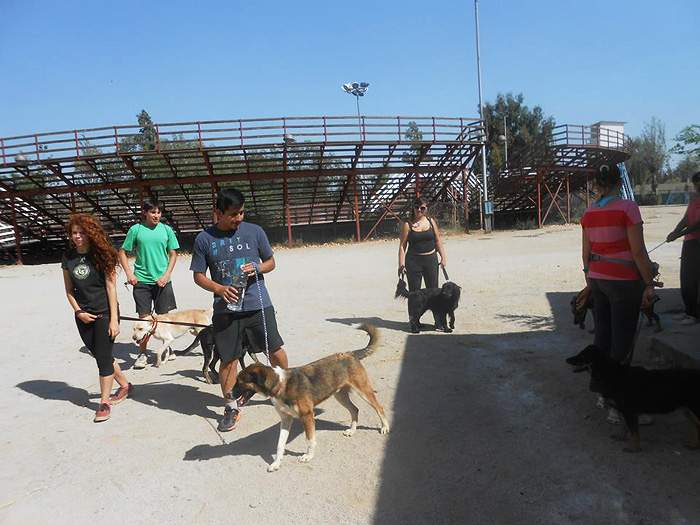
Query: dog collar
277, 390
152, 330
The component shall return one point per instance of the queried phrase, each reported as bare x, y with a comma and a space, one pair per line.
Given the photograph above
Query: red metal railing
232, 134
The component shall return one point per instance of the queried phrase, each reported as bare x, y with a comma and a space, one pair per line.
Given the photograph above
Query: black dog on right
441, 301
633, 390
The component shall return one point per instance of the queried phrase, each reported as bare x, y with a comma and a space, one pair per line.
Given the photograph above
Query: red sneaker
103, 412
121, 394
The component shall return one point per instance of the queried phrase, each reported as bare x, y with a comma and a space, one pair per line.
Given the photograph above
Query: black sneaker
230, 419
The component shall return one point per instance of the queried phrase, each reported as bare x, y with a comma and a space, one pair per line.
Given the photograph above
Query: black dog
633, 390
441, 301
211, 356
653, 318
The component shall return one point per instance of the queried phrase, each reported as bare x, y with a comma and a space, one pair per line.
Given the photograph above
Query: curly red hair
104, 254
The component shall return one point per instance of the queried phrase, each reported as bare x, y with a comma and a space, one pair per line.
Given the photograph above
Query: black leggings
96, 338
690, 276
421, 266
616, 312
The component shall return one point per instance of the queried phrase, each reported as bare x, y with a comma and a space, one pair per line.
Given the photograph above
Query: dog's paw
274, 467
384, 430
349, 432
306, 458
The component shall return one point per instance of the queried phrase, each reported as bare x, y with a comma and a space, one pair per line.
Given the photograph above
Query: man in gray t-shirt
225, 249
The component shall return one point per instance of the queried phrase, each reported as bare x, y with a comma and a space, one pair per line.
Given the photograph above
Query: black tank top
423, 241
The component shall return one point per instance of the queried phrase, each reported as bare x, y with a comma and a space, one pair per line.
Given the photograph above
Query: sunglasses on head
421, 208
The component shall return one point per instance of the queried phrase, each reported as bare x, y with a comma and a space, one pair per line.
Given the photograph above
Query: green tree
649, 155
527, 130
688, 141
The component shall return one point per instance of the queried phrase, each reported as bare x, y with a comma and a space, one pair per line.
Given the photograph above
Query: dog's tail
373, 341
193, 344
401, 290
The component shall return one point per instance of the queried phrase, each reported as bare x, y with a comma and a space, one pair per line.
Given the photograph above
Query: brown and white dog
167, 333
296, 391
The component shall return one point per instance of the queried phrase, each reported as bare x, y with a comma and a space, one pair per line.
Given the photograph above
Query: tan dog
296, 391
167, 333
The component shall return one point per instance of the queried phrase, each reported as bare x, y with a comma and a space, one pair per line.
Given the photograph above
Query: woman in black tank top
419, 246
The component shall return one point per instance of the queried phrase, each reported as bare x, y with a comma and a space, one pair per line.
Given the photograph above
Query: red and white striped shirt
606, 229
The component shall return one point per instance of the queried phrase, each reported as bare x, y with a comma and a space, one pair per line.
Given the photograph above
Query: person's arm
678, 229
635, 236
83, 316
227, 293
403, 240
130, 277
111, 286
172, 259
438, 244
692, 227
585, 255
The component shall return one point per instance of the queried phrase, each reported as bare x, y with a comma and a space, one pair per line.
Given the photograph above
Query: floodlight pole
488, 205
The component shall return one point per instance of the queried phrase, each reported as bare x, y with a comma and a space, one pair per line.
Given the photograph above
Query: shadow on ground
497, 429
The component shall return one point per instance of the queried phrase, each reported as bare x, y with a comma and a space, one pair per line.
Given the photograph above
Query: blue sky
75, 64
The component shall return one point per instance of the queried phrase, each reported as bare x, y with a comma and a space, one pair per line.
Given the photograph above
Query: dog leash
163, 321
262, 309
444, 272
659, 246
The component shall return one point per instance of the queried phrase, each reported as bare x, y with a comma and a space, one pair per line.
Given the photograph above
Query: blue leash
262, 309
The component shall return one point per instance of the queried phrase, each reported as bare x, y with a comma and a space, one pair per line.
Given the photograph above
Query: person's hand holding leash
85, 317
132, 279
162, 281
402, 271
649, 296
249, 269
582, 298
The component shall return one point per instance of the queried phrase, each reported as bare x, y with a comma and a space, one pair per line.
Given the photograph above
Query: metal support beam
357, 211
18, 244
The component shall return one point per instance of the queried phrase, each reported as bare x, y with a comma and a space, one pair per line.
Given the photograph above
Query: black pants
421, 267
616, 313
96, 337
690, 276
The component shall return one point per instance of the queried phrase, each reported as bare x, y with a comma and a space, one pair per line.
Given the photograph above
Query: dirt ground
489, 425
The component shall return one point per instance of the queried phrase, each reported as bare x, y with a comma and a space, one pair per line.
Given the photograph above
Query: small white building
608, 134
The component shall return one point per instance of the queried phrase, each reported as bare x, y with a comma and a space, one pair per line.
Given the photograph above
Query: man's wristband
78, 312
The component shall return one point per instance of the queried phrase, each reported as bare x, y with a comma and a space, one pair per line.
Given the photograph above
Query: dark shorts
229, 330
146, 294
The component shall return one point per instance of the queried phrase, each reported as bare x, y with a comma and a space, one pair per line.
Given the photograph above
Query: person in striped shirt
618, 270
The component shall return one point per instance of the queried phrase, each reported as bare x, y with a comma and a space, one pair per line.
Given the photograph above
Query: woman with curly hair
89, 274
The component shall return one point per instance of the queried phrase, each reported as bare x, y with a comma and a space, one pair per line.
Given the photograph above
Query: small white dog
167, 333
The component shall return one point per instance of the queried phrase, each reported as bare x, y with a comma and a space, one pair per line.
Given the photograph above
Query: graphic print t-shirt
88, 282
223, 253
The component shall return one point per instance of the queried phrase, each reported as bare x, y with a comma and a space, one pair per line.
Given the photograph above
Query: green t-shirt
151, 246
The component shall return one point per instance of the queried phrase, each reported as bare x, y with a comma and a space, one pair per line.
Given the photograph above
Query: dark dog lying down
206, 338
580, 315
633, 390
441, 301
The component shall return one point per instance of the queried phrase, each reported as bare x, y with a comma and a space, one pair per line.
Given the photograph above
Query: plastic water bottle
239, 283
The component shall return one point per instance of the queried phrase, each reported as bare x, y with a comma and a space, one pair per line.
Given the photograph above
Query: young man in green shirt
155, 245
